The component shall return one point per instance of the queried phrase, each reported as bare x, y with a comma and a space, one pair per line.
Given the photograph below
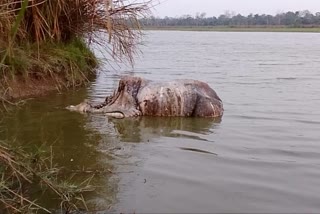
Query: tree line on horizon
293, 19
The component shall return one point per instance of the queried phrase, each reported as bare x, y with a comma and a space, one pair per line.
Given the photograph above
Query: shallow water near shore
262, 156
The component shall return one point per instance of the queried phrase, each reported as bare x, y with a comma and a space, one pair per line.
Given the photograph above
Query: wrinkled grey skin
136, 97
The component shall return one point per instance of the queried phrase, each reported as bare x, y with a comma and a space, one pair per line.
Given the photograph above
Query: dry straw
62, 20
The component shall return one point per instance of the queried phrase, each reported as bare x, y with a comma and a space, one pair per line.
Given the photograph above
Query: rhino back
167, 99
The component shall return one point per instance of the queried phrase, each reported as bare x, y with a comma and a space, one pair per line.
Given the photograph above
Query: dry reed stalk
20, 169
62, 20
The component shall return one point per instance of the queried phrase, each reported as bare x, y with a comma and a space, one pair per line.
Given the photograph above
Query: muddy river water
262, 156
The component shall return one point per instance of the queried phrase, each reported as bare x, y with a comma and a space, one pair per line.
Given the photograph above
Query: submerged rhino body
141, 97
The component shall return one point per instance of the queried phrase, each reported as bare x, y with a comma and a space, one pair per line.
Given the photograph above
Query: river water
263, 156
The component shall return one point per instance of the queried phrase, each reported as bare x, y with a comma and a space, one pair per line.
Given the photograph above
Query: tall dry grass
62, 20
45, 38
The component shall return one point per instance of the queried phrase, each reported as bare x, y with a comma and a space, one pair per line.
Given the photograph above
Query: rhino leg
208, 107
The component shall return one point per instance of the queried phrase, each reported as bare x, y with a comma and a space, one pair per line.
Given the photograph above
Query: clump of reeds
62, 20
31, 24
21, 171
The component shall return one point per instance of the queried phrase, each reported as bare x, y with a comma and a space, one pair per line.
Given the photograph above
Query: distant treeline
294, 19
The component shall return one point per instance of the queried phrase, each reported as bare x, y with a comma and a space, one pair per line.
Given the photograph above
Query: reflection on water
144, 129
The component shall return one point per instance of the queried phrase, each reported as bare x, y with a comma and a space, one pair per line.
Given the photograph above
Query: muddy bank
21, 88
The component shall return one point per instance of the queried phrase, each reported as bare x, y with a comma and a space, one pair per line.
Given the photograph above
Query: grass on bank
43, 38
68, 63
235, 29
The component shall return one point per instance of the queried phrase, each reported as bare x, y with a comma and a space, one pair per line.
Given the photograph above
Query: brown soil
22, 88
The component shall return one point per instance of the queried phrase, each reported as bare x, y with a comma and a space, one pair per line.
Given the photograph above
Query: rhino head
123, 102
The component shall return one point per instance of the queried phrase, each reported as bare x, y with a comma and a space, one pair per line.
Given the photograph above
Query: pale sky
174, 8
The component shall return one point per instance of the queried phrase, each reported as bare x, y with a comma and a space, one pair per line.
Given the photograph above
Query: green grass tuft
72, 62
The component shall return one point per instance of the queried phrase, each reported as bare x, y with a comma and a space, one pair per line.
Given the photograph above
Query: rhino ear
71, 107
82, 107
